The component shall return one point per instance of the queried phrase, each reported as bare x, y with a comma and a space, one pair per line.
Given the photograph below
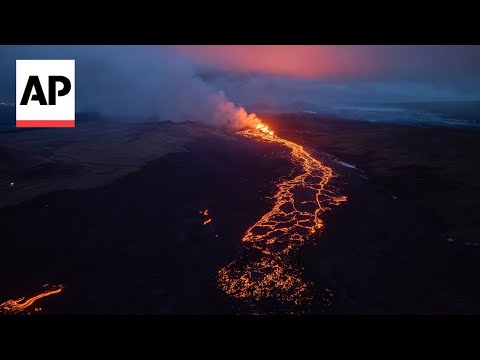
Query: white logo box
62, 114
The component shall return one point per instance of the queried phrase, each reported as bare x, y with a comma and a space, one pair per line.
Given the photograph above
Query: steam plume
133, 82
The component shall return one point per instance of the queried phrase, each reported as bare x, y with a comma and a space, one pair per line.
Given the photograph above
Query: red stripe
46, 123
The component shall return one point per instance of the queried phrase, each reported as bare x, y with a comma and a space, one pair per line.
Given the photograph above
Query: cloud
340, 62
196, 82
131, 81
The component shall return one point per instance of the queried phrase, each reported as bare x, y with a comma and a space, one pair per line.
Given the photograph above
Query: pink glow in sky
339, 62
303, 61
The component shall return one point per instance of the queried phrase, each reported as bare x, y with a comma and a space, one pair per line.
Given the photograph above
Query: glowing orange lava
267, 270
205, 213
21, 306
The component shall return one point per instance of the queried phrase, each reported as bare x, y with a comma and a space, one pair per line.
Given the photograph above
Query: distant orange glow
302, 61
207, 221
19, 307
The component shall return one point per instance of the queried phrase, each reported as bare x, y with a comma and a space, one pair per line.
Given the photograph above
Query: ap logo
45, 93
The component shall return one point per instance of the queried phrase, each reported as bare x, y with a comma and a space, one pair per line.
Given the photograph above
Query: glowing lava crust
22, 306
267, 271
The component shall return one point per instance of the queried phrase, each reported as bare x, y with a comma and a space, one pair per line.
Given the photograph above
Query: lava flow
267, 270
207, 219
22, 306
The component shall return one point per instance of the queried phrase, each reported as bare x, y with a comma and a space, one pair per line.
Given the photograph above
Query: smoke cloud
211, 83
132, 82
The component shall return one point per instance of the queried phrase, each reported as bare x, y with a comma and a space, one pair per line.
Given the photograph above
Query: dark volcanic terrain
411, 240
114, 215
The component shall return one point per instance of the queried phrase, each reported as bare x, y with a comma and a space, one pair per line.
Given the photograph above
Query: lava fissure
22, 306
300, 201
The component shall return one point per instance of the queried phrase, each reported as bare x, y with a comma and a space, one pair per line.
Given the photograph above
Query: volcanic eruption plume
226, 113
133, 85
266, 271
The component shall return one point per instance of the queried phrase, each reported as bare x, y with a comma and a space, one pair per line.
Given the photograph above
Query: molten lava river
266, 275
26, 306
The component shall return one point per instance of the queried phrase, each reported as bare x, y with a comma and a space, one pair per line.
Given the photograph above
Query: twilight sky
177, 82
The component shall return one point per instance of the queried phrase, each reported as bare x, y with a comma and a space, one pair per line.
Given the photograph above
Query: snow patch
345, 164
